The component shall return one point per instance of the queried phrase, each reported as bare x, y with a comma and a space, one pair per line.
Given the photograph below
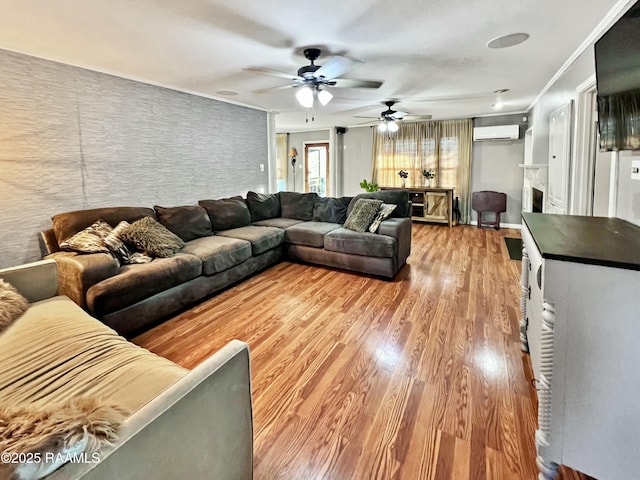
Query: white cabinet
559, 159
581, 325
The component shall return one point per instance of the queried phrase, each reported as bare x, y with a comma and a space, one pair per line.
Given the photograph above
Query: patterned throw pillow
383, 212
89, 240
117, 246
151, 237
12, 304
363, 213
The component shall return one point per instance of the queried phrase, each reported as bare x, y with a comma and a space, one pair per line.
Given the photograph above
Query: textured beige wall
71, 139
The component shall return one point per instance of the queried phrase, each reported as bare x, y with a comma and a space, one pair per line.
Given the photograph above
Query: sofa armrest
400, 229
200, 427
35, 281
78, 272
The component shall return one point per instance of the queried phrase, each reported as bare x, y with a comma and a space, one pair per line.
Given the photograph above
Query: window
444, 146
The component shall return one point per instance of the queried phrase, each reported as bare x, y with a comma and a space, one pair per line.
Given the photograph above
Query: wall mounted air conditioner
498, 132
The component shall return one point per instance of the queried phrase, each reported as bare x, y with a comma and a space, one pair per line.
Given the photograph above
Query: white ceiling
431, 54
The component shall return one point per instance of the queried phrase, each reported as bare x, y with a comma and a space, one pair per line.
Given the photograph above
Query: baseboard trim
517, 226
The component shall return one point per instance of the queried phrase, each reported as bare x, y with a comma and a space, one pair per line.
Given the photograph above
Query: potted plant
428, 176
369, 187
403, 175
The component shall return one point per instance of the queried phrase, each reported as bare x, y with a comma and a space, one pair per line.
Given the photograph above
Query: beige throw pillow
12, 304
89, 240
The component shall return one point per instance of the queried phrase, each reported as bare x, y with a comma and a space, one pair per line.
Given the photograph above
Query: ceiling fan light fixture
305, 97
392, 127
324, 96
382, 127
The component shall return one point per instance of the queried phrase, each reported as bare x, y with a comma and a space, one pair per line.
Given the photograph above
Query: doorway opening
316, 168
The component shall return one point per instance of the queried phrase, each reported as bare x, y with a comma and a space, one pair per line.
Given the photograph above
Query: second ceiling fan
389, 119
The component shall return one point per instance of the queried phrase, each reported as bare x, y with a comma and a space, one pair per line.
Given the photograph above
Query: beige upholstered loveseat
185, 424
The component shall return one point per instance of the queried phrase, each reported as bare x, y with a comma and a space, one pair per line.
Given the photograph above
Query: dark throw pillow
12, 304
362, 214
298, 205
263, 206
89, 240
151, 237
227, 213
332, 210
384, 211
188, 222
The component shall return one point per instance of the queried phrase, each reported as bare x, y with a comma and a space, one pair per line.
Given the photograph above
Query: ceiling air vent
499, 132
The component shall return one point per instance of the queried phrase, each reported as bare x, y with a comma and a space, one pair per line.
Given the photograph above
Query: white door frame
582, 171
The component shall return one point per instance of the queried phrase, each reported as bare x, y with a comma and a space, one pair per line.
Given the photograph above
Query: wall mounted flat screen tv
618, 79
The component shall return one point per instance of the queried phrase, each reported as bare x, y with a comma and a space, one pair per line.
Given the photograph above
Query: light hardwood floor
356, 377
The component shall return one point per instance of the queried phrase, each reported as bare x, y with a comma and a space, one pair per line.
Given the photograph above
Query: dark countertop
611, 242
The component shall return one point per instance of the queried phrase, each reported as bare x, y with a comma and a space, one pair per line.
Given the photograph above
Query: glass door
316, 171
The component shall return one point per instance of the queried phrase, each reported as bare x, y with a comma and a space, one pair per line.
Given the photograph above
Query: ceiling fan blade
370, 122
399, 114
272, 73
416, 118
273, 89
353, 83
334, 67
360, 116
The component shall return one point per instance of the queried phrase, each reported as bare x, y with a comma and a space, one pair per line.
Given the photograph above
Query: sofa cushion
151, 237
309, 233
218, 253
56, 352
397, 197
227, 213
362, 214
188, 222
67, 224
298, 205
368, 244
261, 238
330, 209
134, 283
279, 222
263, 205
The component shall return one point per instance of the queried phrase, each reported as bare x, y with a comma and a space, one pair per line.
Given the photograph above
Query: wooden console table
430, 204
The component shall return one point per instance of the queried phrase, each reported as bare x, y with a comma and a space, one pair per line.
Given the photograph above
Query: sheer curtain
444, 146
281, 160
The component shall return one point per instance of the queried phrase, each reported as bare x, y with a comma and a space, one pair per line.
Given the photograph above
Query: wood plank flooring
356, 377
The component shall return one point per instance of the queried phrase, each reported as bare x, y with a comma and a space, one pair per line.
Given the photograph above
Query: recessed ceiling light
508, 40
228, 93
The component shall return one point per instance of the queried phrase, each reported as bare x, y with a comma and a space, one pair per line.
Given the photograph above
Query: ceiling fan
312, 78
389, 118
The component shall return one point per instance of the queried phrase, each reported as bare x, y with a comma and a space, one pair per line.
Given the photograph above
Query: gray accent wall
494, 165
72, 139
